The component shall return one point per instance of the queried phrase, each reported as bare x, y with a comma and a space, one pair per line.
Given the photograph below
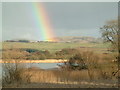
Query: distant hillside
66, 39
78, 39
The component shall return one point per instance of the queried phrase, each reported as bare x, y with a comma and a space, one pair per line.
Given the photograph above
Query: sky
0, 21
66, 18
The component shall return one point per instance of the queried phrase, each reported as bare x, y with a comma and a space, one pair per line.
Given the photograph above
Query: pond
44, 65
38, 65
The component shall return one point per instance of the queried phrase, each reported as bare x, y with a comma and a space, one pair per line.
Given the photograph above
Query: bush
77, 62
12, 73
82, 60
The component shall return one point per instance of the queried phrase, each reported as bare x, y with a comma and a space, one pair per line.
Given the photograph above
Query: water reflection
44, 65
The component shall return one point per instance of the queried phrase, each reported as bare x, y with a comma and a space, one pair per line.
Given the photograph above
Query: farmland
52, 47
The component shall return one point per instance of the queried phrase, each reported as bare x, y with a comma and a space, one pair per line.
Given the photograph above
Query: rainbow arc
42, 22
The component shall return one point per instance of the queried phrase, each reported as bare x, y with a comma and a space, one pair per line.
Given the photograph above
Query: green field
52, 47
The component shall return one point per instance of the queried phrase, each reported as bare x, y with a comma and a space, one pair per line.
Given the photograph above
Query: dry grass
102, 70
56, 76
52, 76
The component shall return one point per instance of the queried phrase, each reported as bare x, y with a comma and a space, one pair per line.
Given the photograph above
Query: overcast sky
67, 19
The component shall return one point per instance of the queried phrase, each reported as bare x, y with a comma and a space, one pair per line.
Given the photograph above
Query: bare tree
110, 33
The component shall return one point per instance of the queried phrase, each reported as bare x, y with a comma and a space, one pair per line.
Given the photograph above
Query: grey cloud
67, 18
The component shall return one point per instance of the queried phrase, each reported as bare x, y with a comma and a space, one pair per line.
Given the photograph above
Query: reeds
57, 76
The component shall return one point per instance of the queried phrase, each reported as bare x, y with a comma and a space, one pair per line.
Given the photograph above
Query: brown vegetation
12, 73
82, 65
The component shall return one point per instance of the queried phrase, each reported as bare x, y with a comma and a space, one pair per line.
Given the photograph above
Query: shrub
12, 73
77, 62
83, 60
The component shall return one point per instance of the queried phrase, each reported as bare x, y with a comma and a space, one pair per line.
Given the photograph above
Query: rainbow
42, 22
